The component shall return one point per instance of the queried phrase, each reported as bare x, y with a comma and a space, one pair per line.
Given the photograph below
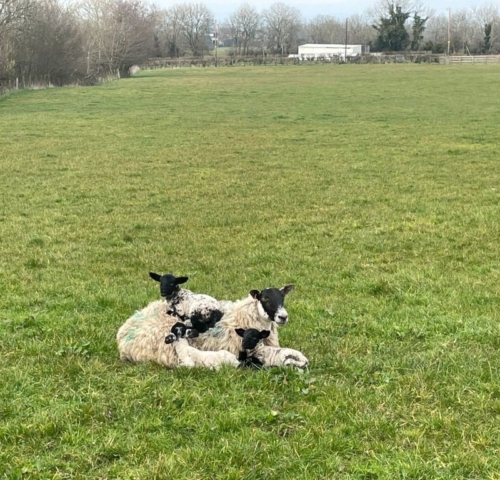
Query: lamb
255, 354
192, 357
263, 310
186, 305
142, 337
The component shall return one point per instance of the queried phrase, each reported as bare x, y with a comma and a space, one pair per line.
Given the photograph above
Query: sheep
261, 309
186, 305
141, 337
255, 354
192, 357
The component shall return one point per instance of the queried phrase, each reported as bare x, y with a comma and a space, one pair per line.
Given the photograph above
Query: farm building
315, 50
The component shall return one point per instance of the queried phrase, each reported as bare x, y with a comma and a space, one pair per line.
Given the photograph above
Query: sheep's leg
188, 363
295, 361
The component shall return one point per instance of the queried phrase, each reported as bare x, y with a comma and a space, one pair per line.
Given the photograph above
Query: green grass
375, 189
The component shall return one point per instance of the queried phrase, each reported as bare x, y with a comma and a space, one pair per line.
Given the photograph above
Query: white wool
192, 357
186, 304
142, 337
244, 314
279, 356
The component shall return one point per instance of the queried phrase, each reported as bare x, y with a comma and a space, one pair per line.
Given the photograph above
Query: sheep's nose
283, 318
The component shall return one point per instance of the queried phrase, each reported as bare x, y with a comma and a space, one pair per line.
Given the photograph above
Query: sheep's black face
169, 284
251, 337
178, 330
170, 338
272, 303
168, 287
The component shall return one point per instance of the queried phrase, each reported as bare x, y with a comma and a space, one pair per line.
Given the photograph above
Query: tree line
90, 39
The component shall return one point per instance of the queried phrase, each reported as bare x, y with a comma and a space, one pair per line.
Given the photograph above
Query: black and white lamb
192, 357
187, 306
255, 354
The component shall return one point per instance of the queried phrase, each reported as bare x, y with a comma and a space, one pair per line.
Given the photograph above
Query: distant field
375, 189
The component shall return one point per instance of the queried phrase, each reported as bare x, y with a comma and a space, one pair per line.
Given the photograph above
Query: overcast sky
338, 8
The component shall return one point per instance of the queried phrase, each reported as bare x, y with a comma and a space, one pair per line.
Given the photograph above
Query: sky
337, 8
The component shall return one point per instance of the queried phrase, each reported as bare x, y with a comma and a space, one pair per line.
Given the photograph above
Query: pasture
374, 189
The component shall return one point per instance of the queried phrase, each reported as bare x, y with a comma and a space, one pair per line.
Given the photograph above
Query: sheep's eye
265, 299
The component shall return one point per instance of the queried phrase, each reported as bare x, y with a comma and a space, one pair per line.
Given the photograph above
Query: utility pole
449, 30
345, 49
216, 41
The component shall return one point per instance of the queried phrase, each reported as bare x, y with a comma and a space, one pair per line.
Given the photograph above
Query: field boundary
33, 82
188, 62
470, 59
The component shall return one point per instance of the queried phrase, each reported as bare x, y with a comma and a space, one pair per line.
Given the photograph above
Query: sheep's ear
180, 280
264, 333
287, 289
255, 294
155, 276
192, 333
240, 331
198, 324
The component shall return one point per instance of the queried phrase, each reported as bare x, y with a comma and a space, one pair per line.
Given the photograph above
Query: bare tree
97, 24
51, 44
325, 29
381, 7
282, 24
359, 30
118, 34
195, 23
133, 27
244, 24
172, 31
462, 31
13, 17
487, 15
13, 13
436, 31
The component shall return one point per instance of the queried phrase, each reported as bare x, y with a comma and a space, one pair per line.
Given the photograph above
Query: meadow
374, 189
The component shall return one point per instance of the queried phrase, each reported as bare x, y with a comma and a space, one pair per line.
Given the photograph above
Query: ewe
262, 310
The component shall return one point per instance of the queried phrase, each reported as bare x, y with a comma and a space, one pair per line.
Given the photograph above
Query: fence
470, 59
21, 83
30, 82
183, 62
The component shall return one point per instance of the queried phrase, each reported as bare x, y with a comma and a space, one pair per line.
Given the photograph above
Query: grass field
375, 189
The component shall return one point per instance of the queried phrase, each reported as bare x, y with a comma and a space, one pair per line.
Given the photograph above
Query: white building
315, 50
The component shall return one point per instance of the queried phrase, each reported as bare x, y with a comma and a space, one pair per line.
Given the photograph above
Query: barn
316, 50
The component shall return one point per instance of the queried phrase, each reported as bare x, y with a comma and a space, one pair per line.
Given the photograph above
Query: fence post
17, 83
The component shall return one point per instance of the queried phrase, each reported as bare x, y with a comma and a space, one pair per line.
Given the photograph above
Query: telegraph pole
345, 50
216, 41
449, 30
